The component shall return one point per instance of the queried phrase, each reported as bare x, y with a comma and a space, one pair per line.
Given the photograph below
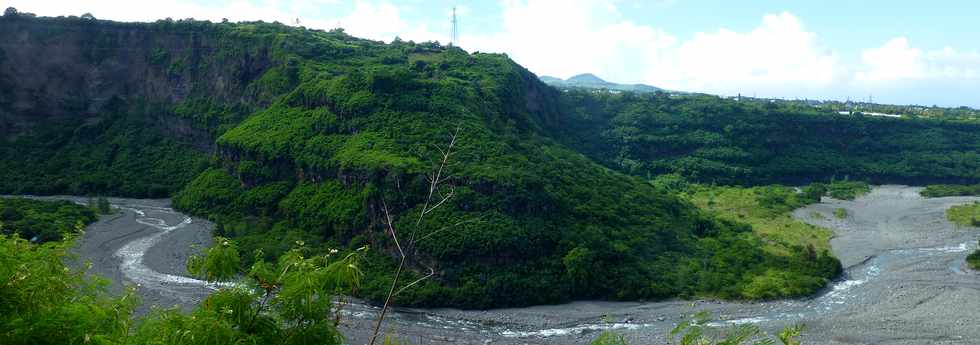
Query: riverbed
905, 282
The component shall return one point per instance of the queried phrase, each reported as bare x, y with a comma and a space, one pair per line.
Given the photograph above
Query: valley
905, 278
300, 170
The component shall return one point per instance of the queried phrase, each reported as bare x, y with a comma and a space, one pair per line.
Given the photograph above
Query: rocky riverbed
905, 282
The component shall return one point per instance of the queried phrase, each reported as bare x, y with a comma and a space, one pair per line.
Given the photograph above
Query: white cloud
892, 61
896, 60
563, 38
383, 21
777, 53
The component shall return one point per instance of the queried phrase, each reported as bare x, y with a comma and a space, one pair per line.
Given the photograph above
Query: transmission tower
454, 40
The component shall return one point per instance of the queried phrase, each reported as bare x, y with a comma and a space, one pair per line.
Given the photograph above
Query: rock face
57, 69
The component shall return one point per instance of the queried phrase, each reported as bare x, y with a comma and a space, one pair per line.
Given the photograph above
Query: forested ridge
727, 141
283, 134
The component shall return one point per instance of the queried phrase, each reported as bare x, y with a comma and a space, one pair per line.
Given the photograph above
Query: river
905, 282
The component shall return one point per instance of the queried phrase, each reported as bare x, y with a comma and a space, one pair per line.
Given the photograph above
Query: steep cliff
96, 107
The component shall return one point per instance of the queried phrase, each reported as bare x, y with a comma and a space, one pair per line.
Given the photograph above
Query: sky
895, 51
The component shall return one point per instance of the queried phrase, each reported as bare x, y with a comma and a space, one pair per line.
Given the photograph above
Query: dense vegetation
324, 131
965, 215
296, 300
530, 222
710, 139
941, 190
44, 302
120, 154
42, 221
965, 114
847, 190
797, 255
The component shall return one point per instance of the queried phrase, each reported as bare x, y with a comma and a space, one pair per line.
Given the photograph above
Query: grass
965, 215
771, 221
840, 213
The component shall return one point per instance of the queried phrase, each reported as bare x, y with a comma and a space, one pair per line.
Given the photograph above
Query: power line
454, 40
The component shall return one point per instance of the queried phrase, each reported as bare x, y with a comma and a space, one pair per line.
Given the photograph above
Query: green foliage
219, 263
531, 221
43, 302
671, 183
609, 338
327, 208
751, 142
941, 190
288, 302
211, 191
42, 221
118, 153
813, 192
319, 128
783, 257
840, 213
698, 331
103, 206
204, 113
847, 190
973, 260
965, 215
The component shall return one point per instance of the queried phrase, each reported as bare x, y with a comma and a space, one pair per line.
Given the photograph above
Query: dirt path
905, 283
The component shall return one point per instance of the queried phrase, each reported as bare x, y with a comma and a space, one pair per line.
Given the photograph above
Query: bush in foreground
44, 302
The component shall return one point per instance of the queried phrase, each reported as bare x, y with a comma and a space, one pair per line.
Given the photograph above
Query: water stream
900, 252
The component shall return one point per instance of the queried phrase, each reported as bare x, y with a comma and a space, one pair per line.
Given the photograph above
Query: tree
291, 301
103, 206
42, 301
88, 16
10, 12
580, 266
220, 262
813, 192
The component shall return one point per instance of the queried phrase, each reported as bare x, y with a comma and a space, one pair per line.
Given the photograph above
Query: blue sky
905, 52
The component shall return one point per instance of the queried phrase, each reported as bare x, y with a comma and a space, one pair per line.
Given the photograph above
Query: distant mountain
549, 80
590, 81
587, 78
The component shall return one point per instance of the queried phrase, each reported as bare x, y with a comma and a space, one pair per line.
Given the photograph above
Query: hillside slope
311, 133
118, 108
715, 140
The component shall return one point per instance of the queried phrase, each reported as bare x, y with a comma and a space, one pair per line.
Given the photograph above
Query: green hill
283, 134
725, 141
